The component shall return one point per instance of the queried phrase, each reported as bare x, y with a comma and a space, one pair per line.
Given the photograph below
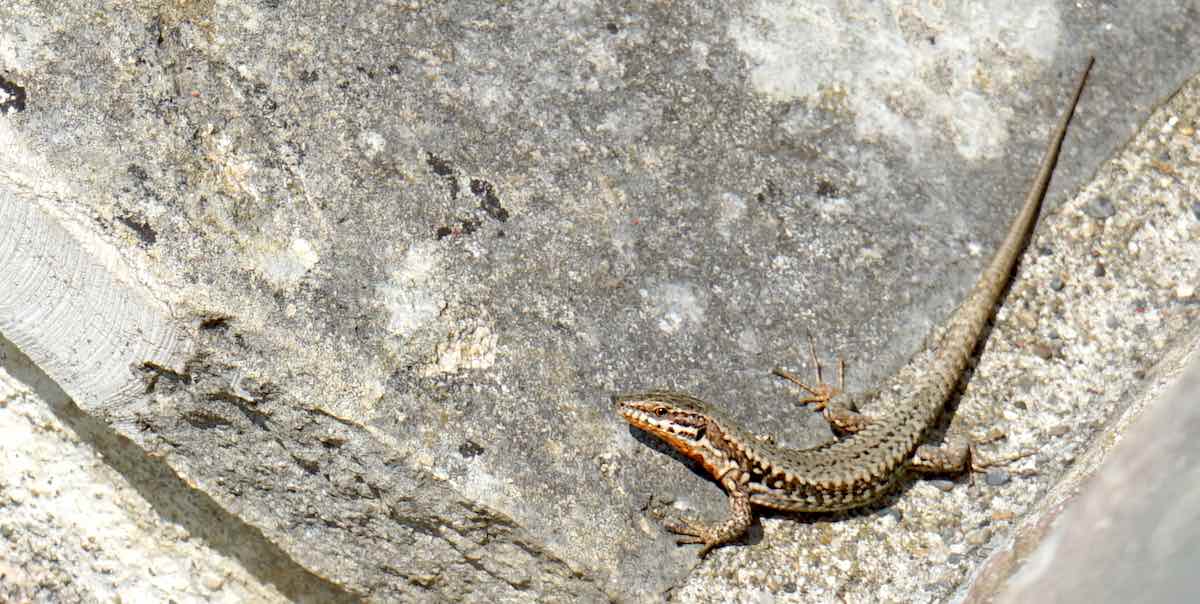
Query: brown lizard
860, 468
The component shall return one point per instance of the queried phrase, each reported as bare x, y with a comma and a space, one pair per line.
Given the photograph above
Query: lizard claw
692, 533
685, 527
821, 393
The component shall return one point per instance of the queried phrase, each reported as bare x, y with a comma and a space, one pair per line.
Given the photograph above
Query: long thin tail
967, 324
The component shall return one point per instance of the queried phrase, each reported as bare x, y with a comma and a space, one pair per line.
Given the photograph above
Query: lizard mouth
648, 412
673, 433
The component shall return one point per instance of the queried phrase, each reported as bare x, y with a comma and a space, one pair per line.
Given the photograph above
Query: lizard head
684, 422
676, 418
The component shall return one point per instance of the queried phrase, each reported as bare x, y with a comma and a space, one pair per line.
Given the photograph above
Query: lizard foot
821, 393
735, 526
826, 398
692, 532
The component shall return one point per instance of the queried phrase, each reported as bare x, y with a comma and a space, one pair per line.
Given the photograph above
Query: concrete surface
1120, 525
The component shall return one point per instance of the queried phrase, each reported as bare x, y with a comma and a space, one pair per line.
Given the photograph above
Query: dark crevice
12, 96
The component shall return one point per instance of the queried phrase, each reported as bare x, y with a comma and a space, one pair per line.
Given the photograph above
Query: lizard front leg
735, 525
837, 407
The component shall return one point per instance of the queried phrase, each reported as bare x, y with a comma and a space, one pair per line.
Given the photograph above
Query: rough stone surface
414, 246
73, 307
83, 519
1126, 530
1131, 535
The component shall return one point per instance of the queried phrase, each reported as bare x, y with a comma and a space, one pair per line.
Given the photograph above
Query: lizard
875, 453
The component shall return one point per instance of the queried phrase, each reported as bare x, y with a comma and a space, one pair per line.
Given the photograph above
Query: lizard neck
720, 450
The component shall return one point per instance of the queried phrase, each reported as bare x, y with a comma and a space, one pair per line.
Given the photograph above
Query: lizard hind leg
953, 457
831, 401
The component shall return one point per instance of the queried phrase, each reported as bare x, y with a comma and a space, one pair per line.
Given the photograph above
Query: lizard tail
966, 327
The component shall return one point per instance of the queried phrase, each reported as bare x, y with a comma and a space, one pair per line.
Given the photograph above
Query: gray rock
1101, 208
358, 281
997, 476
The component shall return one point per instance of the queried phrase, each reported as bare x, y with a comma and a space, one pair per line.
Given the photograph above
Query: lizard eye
660, 411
